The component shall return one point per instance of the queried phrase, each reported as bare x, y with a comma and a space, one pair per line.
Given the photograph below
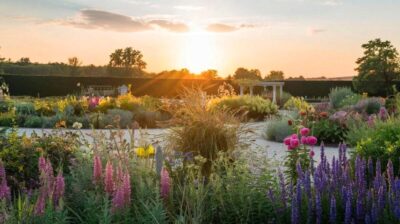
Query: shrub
278, 129
370, 105
24, 108
7, 119
329, 131
338, 94
285, 97
116, 118
33, 122
128, 102
350, 100
151, 103
253, 107
298, 103
44, 108
5, 106
379, 141
106, 104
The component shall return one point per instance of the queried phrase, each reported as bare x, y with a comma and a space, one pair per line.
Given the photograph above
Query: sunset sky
301, 37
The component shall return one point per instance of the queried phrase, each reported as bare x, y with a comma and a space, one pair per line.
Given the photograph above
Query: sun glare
198, 52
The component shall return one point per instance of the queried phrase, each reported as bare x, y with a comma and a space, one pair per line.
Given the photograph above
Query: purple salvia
97, 170
108, 179
59, 188
360, 208
332, 211
374, 213
165, 183
318, 208
381, 199
370, 168
282, 188
390, 175
347, 214
299, 170
296, 201
367, 219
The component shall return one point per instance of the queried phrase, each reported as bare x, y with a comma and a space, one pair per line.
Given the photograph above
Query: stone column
274, 94
251, 90
280, 92
241, 90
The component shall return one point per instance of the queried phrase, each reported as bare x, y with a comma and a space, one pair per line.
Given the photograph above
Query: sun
198, 52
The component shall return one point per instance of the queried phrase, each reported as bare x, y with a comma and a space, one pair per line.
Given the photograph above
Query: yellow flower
145, 152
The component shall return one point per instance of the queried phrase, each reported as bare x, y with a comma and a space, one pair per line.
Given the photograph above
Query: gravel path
258, 144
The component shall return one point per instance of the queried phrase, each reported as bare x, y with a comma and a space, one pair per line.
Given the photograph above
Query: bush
278, 129
253, 107
128, 102
7, 119
329, 131
298, 104
116, 118
379, 141
24, 108
285, 97
370, 105
338, 94
33, 122
151, 103
106, 104
5, 106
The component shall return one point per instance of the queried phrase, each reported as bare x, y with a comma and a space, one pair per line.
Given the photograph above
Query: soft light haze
301, 37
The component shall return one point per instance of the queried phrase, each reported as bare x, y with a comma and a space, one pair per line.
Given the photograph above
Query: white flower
77, 125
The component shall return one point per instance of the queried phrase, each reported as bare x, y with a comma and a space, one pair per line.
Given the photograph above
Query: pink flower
97, 170
127, 188
312, 153
40, 204
294, 136
118, 200
165, 183
303, 140
294, 143
4, 189
312, 140
42, 164
59, 188
304, 131
286, 141
108, 179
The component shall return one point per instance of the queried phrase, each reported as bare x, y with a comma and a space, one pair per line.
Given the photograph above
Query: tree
74, 63
24, 61
377, 68
209, 74
275, 76
243, 73
127, 58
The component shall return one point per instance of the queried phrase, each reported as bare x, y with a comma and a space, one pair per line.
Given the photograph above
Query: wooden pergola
274, 85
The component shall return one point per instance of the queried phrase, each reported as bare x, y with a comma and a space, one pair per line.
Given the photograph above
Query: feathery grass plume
165, 183
97, 170
108, 179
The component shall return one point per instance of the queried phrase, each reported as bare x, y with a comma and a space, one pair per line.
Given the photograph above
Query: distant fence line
45, 86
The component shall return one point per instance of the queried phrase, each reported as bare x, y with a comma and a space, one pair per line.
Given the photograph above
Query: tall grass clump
338, 94
203, 132
250, 107
278, 129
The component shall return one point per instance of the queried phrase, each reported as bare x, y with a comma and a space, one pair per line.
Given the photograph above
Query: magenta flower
304, 131
59, 188
286, 141
118, 200
97, 170
294, 136
126, 185
294, 143
303, 140
42, 164
312, 140
40, 204
312, 153
4, 189
165, 183
108, 179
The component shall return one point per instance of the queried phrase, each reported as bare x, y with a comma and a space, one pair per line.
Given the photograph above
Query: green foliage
243, 73
369, 105
380, 141
252, 107
298, 104
278, 129
377, 68
285, 97
350, 100
329, 131
24, 108
275, 76
7, 119
117, 118
338, 95
33, 122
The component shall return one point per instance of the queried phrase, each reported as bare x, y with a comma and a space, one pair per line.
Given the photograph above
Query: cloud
225, 28
171, 26
98, 19
188, 7
314, 31
332, 2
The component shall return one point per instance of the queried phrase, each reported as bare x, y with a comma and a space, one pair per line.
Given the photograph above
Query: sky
311, 38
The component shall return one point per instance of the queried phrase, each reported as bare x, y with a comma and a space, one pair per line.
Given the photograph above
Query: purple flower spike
332, 212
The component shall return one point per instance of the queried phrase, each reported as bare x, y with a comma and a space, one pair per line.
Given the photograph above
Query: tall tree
377, 68
275, 76
243, 73
116, 58
209, 74
24, 61
127, 58
74, 63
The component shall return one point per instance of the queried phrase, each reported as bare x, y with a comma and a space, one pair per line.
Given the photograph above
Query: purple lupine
381, 200
282, 188
126, 185
165, 183
40, 204
390, 175
374, 213
118, 200
332, 211
367, 219
59, 188
296, 202
359, 208
370, 168
299, 171
97, 170
347, 214
108, 179
4, 189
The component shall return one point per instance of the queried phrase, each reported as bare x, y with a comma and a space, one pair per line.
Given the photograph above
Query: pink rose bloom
289, 148
312, 153
303, 140
312, 140
294, 136
304, 131
286, 141
294, 143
